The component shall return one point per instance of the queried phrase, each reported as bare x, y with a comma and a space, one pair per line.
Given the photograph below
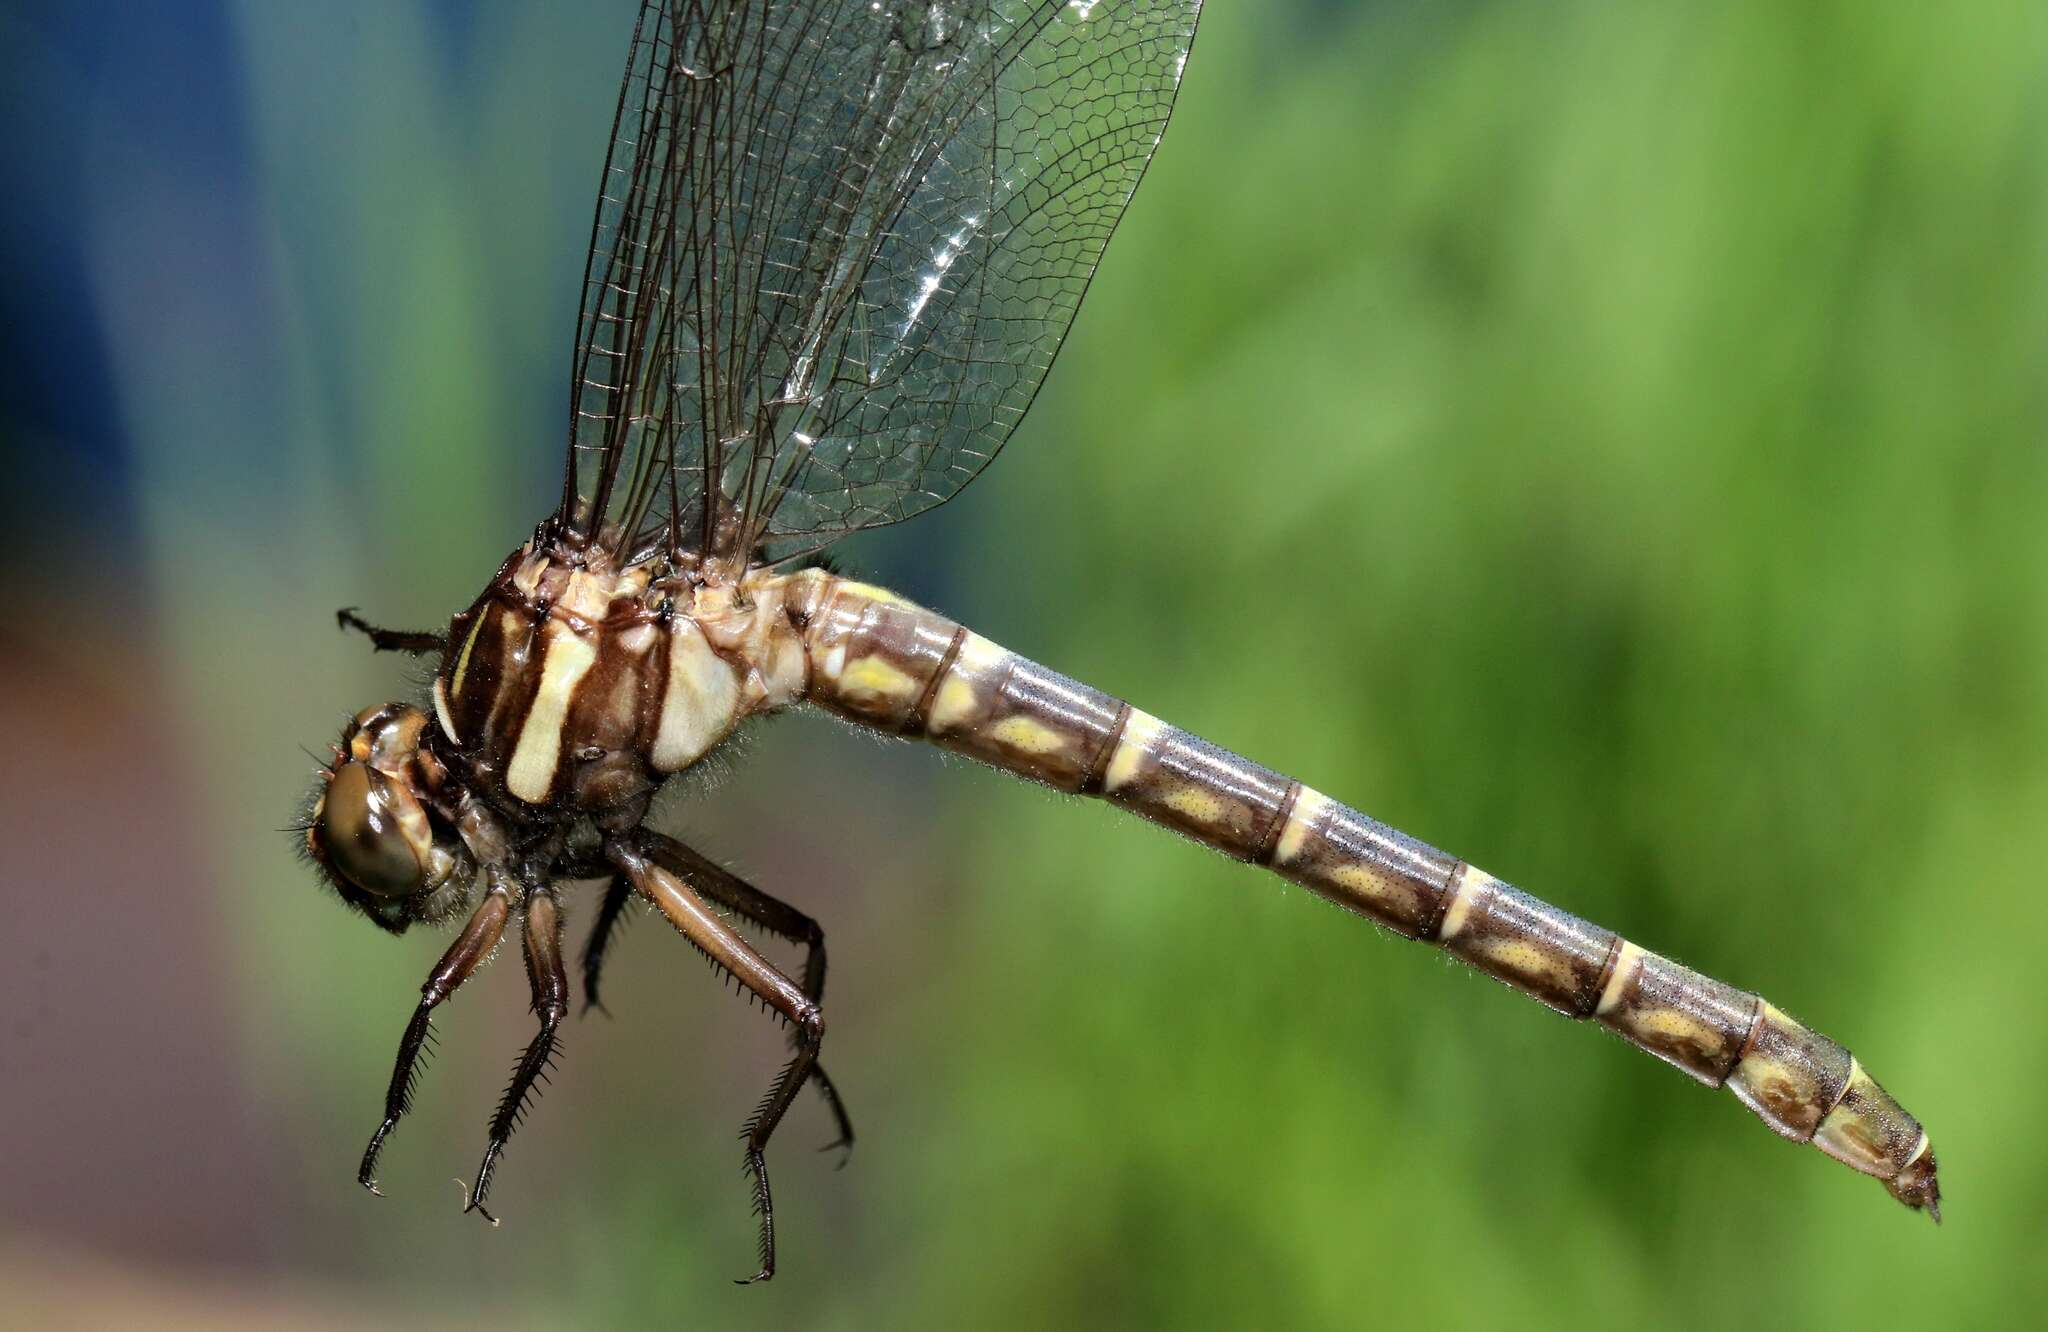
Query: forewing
628, 394
837, 249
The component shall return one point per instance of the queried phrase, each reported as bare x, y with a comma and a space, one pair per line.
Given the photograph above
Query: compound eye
360, 834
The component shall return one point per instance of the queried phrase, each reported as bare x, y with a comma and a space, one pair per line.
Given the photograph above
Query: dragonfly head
374, 829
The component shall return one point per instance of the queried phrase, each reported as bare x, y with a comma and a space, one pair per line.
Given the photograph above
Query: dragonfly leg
611, 913
779, 918
416, 641
696, 920
543, 936
463, 957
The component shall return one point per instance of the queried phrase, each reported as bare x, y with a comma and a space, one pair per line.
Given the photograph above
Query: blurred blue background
1606, 441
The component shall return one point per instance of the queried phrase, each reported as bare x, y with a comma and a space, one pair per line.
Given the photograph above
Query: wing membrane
837, 247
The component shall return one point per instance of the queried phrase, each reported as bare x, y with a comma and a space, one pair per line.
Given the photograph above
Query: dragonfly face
374, 829
835, 253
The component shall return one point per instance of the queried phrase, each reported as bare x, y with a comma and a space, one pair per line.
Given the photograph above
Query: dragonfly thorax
572, 687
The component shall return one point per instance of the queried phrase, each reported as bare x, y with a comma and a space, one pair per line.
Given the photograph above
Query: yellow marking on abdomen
1139, 740
872, 680
1673, 1025
1526, 959
1028, 735
1846, 1133
1625, 963
1195, 803
1309, 805
955, 704
1360, 877
1460, 908
567, 659
959, 696
1775, 1084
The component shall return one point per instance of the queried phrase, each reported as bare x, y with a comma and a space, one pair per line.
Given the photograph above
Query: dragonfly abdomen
881, 661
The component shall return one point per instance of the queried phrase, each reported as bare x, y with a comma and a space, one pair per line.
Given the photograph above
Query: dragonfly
835, 252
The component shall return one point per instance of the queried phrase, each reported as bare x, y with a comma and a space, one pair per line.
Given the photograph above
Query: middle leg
543, 937
611, 913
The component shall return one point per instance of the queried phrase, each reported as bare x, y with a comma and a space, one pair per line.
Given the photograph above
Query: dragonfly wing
837, 249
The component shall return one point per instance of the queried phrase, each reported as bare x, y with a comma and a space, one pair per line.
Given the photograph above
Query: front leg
416, 641
462, 959
696, 921
550, 983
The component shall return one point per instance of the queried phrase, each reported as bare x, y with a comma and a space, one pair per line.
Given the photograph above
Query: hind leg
696, 920
777, 917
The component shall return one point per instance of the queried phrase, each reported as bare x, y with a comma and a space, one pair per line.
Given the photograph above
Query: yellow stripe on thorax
462, 658
531, 774
700, 703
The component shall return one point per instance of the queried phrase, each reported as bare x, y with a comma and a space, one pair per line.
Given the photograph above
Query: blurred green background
1603, 440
